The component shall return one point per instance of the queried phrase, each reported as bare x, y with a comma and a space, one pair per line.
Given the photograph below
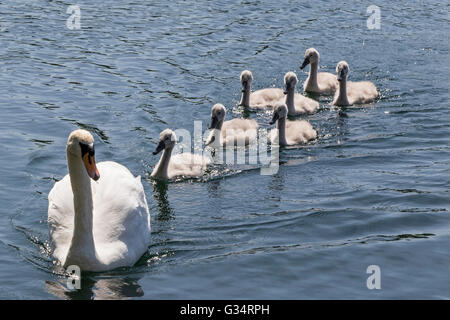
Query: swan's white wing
265, 97
61, 217
121, 216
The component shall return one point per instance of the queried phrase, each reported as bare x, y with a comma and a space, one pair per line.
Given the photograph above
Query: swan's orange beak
91, 168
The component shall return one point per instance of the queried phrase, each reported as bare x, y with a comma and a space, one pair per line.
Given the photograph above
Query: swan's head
342, 70
311, 56
81, 144
280, 111
246, 80
218, 113
290, 81
167, 140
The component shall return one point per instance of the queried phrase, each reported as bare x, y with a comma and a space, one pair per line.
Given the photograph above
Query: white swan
352, 92
183, 164
97, 224
259, 99
295, 102
317, 82
240, 132
289, 132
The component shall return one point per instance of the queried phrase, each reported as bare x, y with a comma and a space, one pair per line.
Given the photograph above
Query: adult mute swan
295, 102
183, 164
290, 132
97, 223
317, 82
239, 132
259, 99
352, 92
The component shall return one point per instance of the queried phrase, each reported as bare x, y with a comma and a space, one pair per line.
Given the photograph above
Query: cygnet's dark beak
305, 63
211, 140
244, 86
214, 122
161, 146
274, 118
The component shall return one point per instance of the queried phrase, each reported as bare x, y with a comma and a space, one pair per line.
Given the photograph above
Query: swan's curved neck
163, 164
290, 100
82, 247
312, 82
342, 99
245, 98
281, 126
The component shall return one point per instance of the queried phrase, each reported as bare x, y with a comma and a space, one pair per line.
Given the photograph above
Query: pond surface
373, 189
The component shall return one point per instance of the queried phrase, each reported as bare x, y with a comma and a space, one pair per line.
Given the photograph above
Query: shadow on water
276, 187
214, 190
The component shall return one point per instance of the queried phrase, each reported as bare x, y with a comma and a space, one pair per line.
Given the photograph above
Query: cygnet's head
280, 111
290, 81
167, 140
311, 56
342, 70
81, 144
218, 113
246, 80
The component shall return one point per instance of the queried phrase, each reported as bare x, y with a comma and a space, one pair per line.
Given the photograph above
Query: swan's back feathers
243, 124
359, 92
187, 164
265, 97
326, 83
121, 220
126, 212
299, 131
304, 104
239, 132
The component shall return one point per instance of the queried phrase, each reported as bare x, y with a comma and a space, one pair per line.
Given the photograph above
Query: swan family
98, 214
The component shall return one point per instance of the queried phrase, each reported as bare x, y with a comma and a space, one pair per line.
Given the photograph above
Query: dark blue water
372, 190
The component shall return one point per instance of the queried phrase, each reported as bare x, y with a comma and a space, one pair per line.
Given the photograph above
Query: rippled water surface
372, 190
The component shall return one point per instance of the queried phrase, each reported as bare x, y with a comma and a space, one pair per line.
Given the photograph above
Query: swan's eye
87, 148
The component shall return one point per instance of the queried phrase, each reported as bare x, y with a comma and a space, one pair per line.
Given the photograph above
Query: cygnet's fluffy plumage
349, 92
239, 132
183, 164
262, 98
317, 82
290, 132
